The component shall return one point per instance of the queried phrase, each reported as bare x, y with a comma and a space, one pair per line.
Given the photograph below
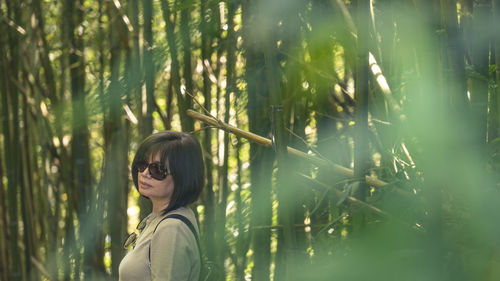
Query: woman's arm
174, 253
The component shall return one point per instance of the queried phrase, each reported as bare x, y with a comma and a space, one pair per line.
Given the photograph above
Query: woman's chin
145, 191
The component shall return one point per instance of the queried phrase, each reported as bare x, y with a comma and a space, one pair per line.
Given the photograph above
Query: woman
167, 169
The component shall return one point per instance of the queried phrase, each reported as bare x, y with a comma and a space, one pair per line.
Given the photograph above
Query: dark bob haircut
183, 153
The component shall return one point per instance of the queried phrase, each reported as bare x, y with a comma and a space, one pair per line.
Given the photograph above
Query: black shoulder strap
187, 222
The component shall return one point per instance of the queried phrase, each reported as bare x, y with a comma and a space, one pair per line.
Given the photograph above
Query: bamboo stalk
37, 263
374, 67
182, 102
4, 255
291, 151
361, 80
496, 46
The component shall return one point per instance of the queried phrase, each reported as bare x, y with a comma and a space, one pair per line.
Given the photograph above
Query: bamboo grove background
393, 102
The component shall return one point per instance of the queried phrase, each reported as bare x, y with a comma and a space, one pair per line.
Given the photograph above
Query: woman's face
156, 190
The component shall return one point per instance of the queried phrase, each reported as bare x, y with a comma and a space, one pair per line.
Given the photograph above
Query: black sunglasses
132, 237
157, 170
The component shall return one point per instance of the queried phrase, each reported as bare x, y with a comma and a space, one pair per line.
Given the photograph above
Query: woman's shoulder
184, 211
166, 223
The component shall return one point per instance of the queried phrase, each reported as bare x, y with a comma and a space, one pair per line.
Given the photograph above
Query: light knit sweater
174, 252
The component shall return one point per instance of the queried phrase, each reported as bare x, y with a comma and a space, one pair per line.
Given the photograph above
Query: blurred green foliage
432, 138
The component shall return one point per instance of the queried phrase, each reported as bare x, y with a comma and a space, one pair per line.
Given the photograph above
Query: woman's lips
144, 185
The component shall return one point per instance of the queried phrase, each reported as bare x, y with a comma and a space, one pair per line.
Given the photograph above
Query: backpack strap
185, 221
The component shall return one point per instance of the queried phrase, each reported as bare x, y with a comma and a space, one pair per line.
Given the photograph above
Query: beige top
174, 252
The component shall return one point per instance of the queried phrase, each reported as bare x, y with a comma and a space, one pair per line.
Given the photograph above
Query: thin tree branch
349, 198
36, 263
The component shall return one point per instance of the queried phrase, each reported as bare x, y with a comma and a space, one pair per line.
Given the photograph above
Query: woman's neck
159, 205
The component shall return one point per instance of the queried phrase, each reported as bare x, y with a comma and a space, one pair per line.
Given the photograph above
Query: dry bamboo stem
291, 151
